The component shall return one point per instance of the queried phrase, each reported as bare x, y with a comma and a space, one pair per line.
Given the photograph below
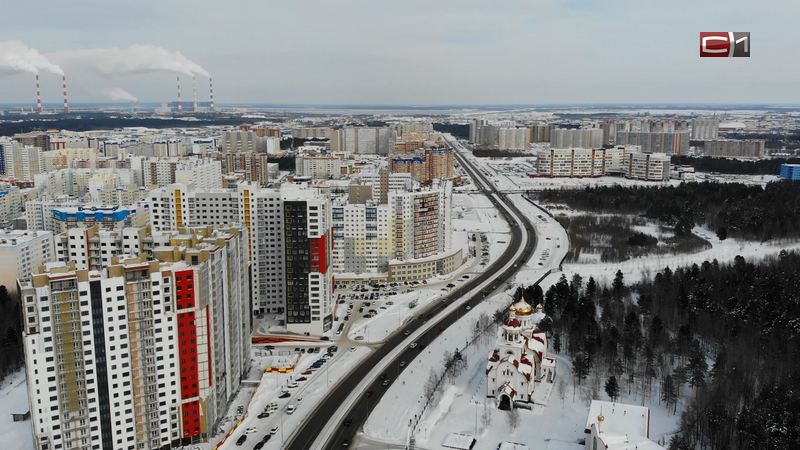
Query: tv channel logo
724, 44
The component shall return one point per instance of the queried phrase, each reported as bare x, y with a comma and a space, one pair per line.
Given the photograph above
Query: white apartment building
585, 138
364, 140
201, 173
21, 252
142, 355
513, 138
571, 162
705, 129
647, 166
79, 182
319, 167
39, 213
410, 225
11, 201
94, 248
21, 161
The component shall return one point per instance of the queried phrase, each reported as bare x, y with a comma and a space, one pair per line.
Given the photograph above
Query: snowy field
14, 398
723, 251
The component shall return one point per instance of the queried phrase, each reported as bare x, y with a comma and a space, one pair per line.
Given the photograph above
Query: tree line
721, 339
735, 209
734, 166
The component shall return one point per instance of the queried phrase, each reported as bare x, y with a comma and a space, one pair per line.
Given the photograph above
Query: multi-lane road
339, 416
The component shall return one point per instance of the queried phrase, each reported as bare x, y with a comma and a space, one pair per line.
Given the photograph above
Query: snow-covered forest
724, 338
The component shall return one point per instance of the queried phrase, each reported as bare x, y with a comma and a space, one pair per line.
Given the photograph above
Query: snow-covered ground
723, 251
14, 399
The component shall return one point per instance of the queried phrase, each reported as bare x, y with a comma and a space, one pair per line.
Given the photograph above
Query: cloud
16, 57
134, 59
115, 93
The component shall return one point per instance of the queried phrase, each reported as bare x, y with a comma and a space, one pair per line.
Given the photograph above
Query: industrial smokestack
38, 96
211, 93
64, 85
194, 91
180, 107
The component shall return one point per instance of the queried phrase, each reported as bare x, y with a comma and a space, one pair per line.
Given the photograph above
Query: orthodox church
519, 362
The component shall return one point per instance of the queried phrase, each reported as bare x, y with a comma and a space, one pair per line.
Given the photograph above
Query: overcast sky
416, 51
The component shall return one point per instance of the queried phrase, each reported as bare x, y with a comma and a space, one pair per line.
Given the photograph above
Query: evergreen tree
697, 365
669, 392
612, 388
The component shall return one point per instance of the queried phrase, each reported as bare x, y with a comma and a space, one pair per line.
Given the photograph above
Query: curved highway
316, 431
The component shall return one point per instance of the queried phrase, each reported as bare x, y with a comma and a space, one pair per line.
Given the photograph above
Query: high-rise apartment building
705, 129
571, 162
263, 214
668, 142
646, 166
732, 148
513, 138
21, 161
364, 140
21, 252
587, 138
254, 166
146, 354
201, 173
410, 225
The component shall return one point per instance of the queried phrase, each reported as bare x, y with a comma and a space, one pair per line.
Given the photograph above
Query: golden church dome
522, 308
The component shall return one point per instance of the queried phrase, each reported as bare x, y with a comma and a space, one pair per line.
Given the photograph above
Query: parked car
250, 430
285, 394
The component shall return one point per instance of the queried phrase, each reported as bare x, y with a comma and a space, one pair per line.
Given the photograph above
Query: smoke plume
16, 57
116, 93
134, 59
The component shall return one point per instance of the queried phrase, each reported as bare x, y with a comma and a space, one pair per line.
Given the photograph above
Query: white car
250, 430
273, 430
292, 385
290, 409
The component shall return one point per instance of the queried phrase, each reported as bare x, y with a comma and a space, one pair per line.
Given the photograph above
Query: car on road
263, 415
368, 393
352, 349
285, 394
241, 440
402, 363
359, 338
346, 443
348, 422
301, 379
250, 430
290, 409
307, 372
273, 430
406, 333
413, 345
292, 385
385, 383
